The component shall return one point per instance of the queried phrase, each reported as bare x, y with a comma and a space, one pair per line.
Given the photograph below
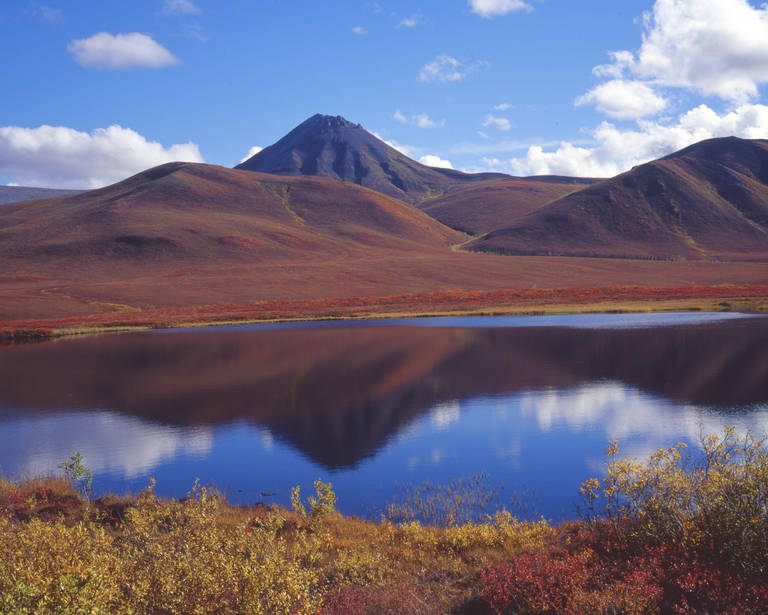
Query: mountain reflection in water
339, 395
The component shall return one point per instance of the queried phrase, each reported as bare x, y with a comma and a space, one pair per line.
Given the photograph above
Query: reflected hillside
339, 394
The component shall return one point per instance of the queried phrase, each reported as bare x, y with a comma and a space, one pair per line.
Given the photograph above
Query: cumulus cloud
359, 30
716, 47
422, 120
435, 161
625, 100
616, 150
117, 51
501, 107
445, 68
61, 157
489, 9
252, 152
183, 7
501, 123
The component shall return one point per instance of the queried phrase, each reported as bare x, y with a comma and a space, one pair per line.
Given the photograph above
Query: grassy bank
748, 298
677, 534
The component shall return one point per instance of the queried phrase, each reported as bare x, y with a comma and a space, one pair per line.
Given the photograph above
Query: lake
373, 406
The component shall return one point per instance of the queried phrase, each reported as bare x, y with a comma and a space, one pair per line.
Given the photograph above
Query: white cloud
483, 135
60, 157
445, 68
501, 107
625, 100
716, 47
252, 152
184, 7
616, 150
435, 161
500, 123
422, 120
410, 22
359, 30
116, 51
489, 9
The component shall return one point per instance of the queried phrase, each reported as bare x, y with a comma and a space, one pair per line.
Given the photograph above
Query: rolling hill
487, 205
186, 212
335, 148
707, 201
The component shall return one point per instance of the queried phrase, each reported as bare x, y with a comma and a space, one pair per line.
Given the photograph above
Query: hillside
14, 194
185, 212
335, 148
707, 201
490, 204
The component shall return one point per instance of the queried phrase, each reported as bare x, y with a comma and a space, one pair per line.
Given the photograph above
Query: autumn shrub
714, 503
168, 557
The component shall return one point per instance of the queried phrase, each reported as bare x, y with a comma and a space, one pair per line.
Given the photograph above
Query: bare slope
707, 201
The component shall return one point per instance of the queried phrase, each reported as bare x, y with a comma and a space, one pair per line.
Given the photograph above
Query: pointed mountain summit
707, 201
333, 147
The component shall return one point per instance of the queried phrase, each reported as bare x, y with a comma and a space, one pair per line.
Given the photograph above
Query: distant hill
198, 212
709, 200
333, 147
14, 194
484, 206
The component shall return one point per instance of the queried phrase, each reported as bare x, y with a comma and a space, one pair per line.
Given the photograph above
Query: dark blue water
372, 406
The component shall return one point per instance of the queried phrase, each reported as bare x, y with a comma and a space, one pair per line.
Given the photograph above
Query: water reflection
261, 409
130, 447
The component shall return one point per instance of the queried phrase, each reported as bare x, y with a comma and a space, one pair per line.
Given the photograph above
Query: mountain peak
328, 122
332, 146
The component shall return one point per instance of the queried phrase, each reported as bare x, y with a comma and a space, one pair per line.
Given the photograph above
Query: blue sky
96, 90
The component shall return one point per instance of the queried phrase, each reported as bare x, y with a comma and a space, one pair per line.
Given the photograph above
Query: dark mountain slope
709, 200
332, 147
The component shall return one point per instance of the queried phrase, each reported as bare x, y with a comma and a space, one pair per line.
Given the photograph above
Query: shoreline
750, 299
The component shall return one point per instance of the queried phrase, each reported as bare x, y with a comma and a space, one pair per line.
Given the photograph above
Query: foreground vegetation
745, 297
682, 534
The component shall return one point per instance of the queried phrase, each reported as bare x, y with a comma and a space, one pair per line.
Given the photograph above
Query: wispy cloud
410, 22
117, 51
359, 30
445, 68
180, 7
488, 9
49, 14
422, 120
501, 123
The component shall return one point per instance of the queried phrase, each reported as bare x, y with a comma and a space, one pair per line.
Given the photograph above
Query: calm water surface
375, 405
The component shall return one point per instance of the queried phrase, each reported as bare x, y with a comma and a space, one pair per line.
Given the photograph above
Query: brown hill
490, 204
707, 201
185, 212
333, 147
